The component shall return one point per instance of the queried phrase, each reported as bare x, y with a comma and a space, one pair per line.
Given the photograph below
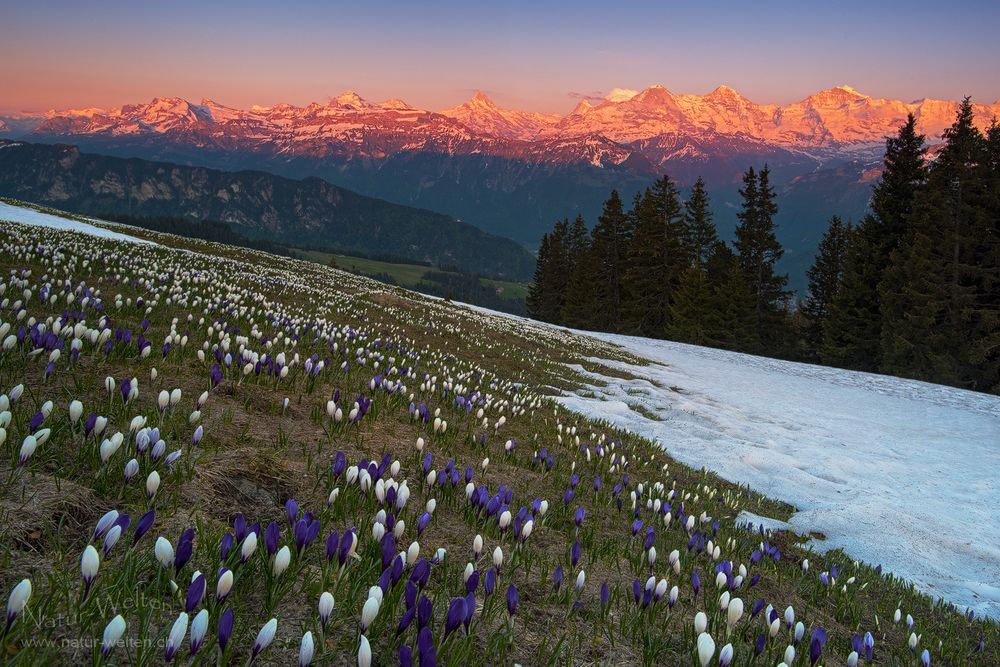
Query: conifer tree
655, 260
759, 250
577, 242
930, 293
730, 315
580, 304
825, 279
548, 290
852, 336
699, 230
537, 296
851, 328
985, 349
691, 308
608, 251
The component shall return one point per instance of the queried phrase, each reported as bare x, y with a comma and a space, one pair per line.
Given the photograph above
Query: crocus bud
706, 648
306, 649
281, 561
113, 632
264, 637
18, 600
700, 622
199, 627
364, 652
176, 637
326, 603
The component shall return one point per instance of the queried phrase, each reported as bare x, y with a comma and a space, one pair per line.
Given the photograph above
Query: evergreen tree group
912, 290
659, 270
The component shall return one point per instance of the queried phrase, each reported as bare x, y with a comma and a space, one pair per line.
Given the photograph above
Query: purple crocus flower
816, 645
869, 644
424, 610
758, 646
226, 545
472, 583
426, 653
512, 599
332, 542
291, 511
143, 525
579, 516
605, 594
225, 628
405, 656
557, 578
421, 573
195, 594
574, 553
490, 581
240, 527
346, 542
422, 523
272, 534
183, 553
456, 614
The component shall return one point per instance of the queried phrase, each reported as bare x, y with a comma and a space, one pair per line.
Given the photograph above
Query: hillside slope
258, 459
308, 213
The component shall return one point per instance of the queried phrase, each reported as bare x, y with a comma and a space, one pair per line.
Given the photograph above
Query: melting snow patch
29, 216
891, 471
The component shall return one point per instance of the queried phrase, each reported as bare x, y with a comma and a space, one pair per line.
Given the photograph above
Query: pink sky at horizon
529, 56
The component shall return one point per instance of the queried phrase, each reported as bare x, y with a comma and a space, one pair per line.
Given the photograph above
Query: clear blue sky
533, 55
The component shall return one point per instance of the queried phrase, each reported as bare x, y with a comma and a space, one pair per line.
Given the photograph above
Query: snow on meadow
30, 216
892, 471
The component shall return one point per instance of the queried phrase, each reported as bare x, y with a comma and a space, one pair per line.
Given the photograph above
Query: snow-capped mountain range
512, 172
610, 132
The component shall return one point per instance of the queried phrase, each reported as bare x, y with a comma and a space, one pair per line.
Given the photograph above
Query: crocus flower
726, 655
17, 601
199, 627
175, 637
326, 603
706, 648
816, 645
426, 653
369, 612
225, 628
456, 615
306, 649
195, 594
512, 599
364, 652
113, 632
264, 638
89, 563
223, 584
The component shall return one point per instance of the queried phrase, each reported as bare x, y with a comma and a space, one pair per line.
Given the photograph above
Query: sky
537, 56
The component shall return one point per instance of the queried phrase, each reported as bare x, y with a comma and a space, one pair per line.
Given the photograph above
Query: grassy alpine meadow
216, 456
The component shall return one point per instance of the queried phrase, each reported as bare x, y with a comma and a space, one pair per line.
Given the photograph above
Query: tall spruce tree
609, 244
691, 308
580, 306
759, 250
547, 293
730, 316
825, 280
986, 324
854, 329
577, 242
851, 328
930, 294
699, 230
655, 260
